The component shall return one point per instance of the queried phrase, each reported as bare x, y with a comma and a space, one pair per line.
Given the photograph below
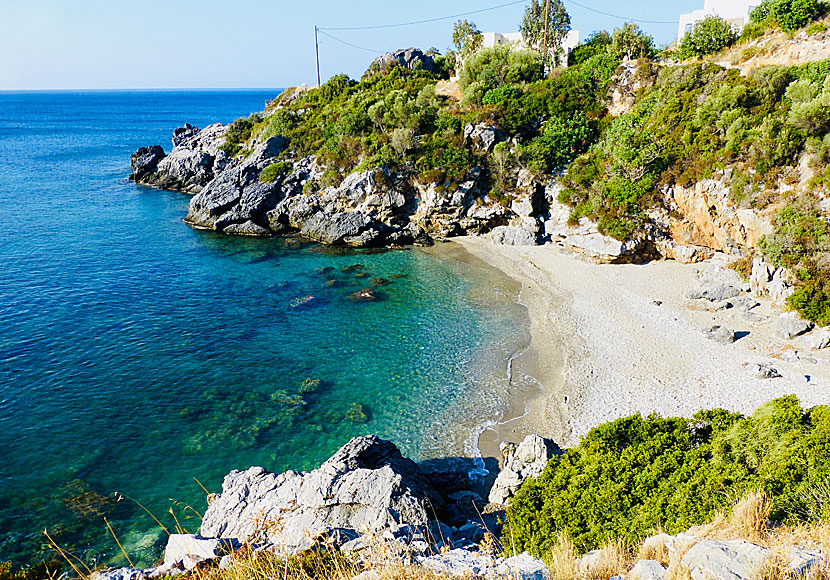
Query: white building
735, 12
514, 39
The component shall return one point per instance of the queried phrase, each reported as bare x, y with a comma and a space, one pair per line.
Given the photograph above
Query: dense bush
710, 35
499, 65
788, 14
275, 171
630, 41
596, 43
630, 477
561, 140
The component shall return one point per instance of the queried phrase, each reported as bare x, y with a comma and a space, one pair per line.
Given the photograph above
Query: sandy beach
608, 341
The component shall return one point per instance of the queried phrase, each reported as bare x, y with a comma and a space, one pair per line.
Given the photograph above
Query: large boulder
366, 486
409, 58
527, 460
144, 161
724, 560
483, 136
194, 161
237, 195
341, 227
789, 325
523, 234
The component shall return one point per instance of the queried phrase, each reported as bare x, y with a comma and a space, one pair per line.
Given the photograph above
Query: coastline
612, 340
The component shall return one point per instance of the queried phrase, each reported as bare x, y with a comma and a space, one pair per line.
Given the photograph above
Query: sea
142, 360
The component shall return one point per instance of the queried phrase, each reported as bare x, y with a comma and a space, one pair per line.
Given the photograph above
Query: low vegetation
633, 476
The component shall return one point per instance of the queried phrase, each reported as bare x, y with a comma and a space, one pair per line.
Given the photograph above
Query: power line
622, 17
428, 19
321, 31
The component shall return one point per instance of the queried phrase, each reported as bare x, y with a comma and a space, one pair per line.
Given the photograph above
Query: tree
466, 38
544, 27
630, 41
708, 36
597, 43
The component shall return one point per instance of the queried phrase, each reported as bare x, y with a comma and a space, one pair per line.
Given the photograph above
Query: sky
157, 44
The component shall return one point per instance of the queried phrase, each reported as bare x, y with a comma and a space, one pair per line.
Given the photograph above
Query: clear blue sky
112, 44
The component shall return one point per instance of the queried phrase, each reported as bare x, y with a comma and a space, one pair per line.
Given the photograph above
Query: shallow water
138, 355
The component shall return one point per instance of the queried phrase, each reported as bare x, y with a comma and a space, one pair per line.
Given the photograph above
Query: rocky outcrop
144, 162
367, 486
237, 195
520, 462
409, 58
192, 163
482, 136
585, 239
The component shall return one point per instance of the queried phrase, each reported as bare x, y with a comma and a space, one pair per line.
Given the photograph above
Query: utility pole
545, 38
317, 52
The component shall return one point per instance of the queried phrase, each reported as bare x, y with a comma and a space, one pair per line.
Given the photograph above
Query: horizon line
148, 90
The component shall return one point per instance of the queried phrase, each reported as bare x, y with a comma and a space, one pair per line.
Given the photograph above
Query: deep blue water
138, 355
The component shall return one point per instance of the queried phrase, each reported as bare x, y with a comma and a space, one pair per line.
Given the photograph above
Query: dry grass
563, 562
750, 516
654, 548
614, 558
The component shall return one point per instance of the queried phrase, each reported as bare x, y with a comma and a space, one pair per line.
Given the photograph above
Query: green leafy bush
499, 65
630, 477
710, 35
596, 43
275, 171
788, 14
630, 41
560, 141
500, 94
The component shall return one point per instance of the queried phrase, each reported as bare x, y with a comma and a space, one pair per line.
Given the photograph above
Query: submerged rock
365, 295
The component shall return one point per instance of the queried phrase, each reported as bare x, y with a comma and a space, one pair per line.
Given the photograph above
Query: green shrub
630, 41
710, 35
499, 65
596, 43
632, 476
560, 142
499, 95
275, 171
788, 14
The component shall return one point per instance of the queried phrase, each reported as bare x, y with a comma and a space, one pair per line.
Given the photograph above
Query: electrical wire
426, 20
320, 30
574, 2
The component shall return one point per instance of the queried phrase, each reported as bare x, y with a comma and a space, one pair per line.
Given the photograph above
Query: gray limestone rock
647, 570
483, 136
521, 235
237, 196
519, 463
763, 371
817, 340
144, 162
194, 161
185, 551
523, 567
366, 486
720, 334
724, 560
341, 227
790, 325
119, 574
409, 58
182, 134
460, 562
247, 228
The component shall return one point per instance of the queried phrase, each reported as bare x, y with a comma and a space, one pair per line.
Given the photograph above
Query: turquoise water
138, 355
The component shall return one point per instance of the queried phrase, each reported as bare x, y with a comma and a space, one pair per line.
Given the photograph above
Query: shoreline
612, 340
